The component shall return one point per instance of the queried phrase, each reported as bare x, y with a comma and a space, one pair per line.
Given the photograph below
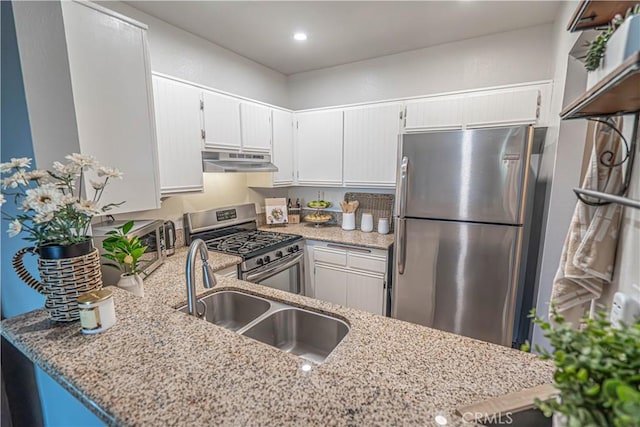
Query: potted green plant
55, 215
613, 45
124, 252
597, 372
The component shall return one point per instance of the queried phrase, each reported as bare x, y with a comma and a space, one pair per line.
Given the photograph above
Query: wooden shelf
617, 93
624, 201
593, 14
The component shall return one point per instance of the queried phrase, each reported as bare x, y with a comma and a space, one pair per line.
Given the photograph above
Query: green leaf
126, 227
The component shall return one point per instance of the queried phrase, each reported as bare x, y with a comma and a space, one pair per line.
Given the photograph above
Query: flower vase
131, 282
66, 272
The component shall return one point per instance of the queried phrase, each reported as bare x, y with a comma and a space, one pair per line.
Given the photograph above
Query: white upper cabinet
221, 115
112, 93
177, 107
319, 147
283, 152
437, 113
503, 107
256, 127
371, 144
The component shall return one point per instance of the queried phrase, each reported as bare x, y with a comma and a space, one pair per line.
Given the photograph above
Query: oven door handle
276, 268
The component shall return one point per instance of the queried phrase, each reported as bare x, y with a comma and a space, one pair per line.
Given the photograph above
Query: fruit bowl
318, 218
318, 204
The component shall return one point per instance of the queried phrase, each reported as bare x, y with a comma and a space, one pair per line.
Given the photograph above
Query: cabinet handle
349, 248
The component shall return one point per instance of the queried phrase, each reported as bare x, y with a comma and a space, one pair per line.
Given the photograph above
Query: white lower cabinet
348, 275
331, 284
366, 292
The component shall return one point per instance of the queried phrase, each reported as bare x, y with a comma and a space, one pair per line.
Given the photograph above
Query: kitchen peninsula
160, 366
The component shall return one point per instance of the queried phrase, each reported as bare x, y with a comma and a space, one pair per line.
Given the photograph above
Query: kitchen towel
589, 251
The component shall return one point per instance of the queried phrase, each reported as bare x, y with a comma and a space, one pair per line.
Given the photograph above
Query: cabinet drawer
330, 256
368, 263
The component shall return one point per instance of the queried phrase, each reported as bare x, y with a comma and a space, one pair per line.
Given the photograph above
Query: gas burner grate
248, 243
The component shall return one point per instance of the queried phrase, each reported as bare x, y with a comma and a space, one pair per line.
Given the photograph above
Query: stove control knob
259, 261
296, 248
267, 259
279, 254
290, 249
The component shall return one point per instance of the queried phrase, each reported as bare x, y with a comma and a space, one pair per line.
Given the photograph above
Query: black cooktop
248, 244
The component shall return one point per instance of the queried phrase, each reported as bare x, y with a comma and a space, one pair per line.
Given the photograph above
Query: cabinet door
256, 127
319, 147
112, 92
371, 145
330, 284
437, 113
365, 292
221, 121
177, 107
282, 146
504, 107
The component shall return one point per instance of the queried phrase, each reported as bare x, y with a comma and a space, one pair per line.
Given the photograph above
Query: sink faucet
198, 245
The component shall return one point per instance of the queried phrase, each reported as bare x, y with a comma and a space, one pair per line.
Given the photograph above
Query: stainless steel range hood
217, 161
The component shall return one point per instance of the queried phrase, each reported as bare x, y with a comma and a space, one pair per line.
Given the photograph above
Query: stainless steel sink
310, 335
307, 334
231, 310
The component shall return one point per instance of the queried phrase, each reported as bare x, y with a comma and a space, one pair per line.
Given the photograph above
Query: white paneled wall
441, 113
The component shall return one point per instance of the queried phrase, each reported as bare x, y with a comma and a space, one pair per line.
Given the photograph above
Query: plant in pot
597, 372
615, 47
54, 215
124, 252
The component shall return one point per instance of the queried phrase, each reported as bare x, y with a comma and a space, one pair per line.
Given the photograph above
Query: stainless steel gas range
270, 259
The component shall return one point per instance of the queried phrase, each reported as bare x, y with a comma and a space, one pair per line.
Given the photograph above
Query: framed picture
276, 211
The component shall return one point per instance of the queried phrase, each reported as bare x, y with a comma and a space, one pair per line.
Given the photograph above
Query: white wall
561, 161
181, 54
220, 189
627, 269
497, 59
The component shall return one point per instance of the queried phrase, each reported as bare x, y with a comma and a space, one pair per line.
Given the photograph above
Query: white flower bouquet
53, 210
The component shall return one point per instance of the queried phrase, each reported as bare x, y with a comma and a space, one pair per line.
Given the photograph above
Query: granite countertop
167, 284
336, 234
157, 366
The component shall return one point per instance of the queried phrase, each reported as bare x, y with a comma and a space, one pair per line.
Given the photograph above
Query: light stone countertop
173, 272
336, 234
157, 366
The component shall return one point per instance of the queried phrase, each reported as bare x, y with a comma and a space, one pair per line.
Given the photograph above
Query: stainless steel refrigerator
459, 229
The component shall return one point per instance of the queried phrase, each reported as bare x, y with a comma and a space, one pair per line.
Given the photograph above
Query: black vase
55, 251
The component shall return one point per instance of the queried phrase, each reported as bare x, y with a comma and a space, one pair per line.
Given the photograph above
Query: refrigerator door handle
402, 203
402, 200
402, 244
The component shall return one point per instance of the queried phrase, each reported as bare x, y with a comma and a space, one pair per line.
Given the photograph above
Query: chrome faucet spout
209, 279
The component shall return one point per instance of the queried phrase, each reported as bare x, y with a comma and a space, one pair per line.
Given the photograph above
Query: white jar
97, 311
366, 223
348, 221
383, 225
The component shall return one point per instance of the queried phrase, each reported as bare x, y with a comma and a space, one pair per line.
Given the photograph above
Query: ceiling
340, 32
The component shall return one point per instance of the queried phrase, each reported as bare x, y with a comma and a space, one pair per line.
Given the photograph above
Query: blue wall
59, 407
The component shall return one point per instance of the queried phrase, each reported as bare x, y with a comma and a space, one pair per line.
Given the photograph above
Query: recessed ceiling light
300, 37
